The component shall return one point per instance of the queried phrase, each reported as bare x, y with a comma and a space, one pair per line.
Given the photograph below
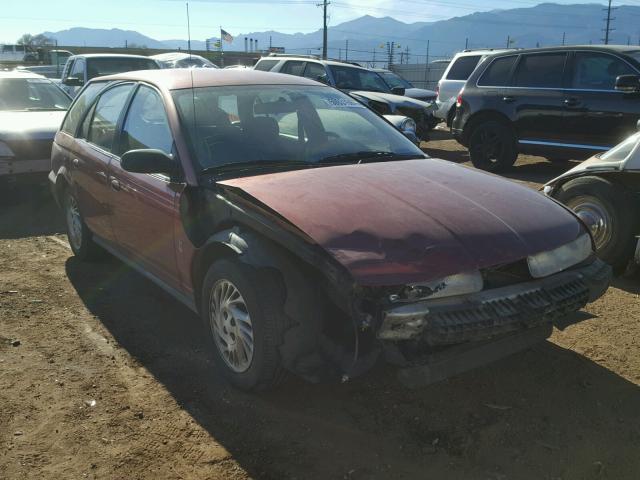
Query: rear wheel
492, 146
79, 236
608, 212
244, 324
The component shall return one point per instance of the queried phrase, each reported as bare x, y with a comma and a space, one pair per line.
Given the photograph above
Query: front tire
608, 212
492, 146
79, 236
244, 324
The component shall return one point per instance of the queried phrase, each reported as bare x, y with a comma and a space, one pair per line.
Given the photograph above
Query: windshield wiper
253, 164
368, 156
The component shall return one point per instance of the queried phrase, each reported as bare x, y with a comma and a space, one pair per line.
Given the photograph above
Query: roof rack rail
490, 49
315, 57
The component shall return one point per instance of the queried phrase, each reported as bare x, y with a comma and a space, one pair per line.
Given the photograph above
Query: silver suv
454, 78
362, 84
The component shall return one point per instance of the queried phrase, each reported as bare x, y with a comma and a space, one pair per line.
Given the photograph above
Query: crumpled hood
395, 101
18, 125
399, 222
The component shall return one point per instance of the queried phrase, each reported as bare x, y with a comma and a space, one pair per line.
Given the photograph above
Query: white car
604, 192
454, 78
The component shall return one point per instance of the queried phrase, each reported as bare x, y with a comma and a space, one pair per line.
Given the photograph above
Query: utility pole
466, 43
564, 37
608, 28
346, 50
324, 6
428, 42
508, 40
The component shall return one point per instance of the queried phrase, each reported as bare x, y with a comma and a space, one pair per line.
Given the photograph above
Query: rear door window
103, 125
498, 72
598, 71
463, 67
293, 67
540, 70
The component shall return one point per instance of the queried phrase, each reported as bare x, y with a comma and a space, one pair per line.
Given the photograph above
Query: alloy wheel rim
74, 223
596, 216
489, 146
231, 325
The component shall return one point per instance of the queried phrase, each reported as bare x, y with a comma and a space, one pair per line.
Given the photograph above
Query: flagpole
221, 49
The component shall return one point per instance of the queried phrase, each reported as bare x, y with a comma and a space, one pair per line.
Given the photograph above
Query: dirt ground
103, 375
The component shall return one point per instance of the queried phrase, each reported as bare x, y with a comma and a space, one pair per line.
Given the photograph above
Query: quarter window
147, 125
266, 65
463, 67
77, 70
293, 67
315, 71
597, 71
102, 129
79, 107
540, 71
497, 74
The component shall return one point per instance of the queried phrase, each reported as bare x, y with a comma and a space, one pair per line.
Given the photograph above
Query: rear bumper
12, 166
492, 313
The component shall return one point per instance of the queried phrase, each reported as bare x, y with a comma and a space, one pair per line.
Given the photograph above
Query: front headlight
408, 125
5, 151
554, 261
458, 284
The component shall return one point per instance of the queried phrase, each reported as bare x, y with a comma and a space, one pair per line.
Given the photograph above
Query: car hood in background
19, 125
394, 223
420, 94
397, 101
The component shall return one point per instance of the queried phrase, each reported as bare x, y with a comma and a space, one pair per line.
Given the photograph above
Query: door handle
115, 184
508, 99
571, 102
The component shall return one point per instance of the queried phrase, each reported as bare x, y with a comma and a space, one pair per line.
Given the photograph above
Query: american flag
226, 36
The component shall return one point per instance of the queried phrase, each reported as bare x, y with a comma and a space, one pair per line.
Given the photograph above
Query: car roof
592, 48
19, 74
175, 56
180, 78
312, 59
109, 55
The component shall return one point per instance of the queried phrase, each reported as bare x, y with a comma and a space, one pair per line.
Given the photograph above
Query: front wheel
244, 323
492, 146
608, 212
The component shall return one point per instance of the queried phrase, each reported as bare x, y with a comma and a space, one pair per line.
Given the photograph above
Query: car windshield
31, 94
395, 81
622, 151
350, 78
97, 67
291, 126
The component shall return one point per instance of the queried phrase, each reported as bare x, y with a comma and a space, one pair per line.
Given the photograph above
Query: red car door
144, 207
92, 155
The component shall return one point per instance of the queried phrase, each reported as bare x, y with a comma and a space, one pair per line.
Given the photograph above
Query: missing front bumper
496, 312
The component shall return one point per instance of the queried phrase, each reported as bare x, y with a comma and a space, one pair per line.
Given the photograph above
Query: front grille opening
507, 274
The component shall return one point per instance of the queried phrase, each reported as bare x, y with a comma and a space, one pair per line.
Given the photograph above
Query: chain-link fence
422, 75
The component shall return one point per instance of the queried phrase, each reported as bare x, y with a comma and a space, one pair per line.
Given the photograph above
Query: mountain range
541, 25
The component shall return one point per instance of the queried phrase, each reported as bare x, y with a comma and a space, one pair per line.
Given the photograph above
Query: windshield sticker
342, 102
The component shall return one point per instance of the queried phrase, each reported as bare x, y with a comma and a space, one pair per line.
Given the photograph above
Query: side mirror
149, 161
322, 79
628, 83
73, 82
398, 91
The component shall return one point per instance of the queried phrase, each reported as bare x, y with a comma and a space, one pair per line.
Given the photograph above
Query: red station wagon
308, 233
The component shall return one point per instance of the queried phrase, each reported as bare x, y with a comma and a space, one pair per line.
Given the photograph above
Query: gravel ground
102, 375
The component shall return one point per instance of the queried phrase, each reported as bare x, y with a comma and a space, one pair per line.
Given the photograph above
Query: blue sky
166, 19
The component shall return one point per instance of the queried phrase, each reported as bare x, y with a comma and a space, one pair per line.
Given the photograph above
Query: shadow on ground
547, 413
27, 211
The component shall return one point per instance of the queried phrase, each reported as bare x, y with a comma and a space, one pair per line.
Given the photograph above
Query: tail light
459, 100
438, 91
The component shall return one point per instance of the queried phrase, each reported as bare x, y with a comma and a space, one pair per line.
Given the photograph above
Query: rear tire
608, 212
492, 146
244, 324
79, 236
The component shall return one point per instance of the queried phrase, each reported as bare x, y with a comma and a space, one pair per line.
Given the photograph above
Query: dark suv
560, 103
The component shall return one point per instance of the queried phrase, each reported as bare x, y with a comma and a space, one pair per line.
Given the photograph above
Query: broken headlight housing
559, 259
457, 284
